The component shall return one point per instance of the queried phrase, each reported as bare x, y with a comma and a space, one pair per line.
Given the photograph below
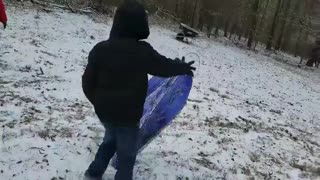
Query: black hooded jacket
116, 78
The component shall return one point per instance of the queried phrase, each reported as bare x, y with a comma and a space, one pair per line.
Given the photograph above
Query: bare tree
283, 23
273, 27
254, 21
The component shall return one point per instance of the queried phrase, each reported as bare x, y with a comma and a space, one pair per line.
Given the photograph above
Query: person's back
120, 84
120, 66
116, 82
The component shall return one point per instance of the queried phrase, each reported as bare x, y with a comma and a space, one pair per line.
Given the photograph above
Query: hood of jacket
130, 21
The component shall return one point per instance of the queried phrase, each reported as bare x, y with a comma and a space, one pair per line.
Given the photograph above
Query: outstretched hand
190, 68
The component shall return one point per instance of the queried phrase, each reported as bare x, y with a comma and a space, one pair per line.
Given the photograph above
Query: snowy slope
248, 116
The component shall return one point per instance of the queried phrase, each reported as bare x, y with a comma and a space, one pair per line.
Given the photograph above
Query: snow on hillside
248, 116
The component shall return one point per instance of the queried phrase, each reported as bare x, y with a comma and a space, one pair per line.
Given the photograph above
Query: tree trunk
200, 26
196, 14
246, 35
225, 31
184, 12
230, 36
289, 28
253, 24
209, 30
233, 29
283, 25
226, 27
200, 22
297, 43
305, 51
264, 13
273, 27
216, 32
261, 24
177, 6
217, 22
240, 36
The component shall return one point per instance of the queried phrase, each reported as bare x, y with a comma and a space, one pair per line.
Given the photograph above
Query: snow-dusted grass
248, 116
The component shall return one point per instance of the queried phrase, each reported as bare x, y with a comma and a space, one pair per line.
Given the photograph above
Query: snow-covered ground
249, 116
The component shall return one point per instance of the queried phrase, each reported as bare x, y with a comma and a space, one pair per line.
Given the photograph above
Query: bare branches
68, 7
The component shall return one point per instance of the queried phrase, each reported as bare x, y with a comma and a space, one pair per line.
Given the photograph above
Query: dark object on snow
180, 37
189, 31
186, 32
115, 80
315, 57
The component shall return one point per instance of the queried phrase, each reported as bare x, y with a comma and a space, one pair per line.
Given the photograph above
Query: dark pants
122, 140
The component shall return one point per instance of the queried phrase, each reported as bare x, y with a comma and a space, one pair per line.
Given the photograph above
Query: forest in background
286, 25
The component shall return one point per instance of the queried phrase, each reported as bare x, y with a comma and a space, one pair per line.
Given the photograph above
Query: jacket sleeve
89, 76
159, 65
3, 16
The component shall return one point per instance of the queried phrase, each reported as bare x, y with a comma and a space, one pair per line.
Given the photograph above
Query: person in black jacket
116, 81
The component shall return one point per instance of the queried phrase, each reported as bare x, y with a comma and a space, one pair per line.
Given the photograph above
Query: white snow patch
248, 115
